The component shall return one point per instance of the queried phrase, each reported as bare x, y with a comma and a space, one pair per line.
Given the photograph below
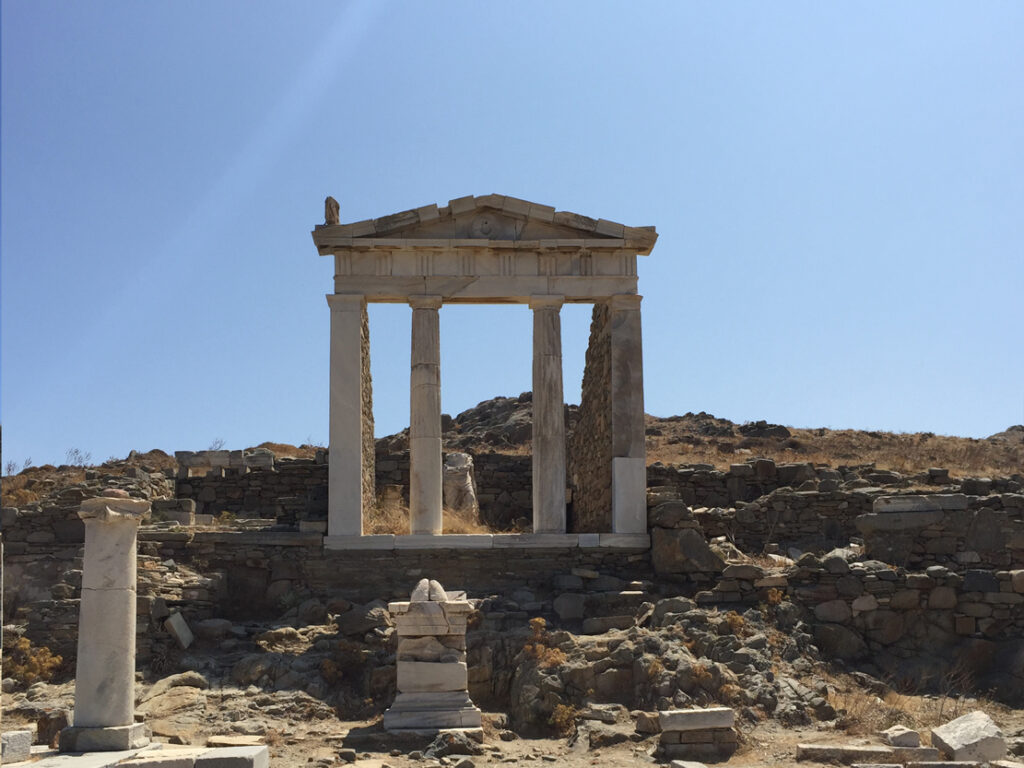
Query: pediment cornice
488, 221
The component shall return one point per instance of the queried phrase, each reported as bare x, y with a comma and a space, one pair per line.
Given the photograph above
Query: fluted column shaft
548, 416
425, 417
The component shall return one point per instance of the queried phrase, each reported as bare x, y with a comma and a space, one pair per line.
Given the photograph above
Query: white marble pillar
629, 455
104, 716
425, 482
345, 460
548, 416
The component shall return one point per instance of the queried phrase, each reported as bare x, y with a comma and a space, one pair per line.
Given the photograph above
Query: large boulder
973, 737
836, 641
363, 618
683, 550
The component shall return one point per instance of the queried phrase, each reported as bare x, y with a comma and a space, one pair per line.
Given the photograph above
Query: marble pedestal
433, 680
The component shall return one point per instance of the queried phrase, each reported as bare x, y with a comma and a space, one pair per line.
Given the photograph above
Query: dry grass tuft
394, 518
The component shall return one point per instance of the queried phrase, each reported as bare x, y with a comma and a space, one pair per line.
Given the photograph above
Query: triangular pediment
493, 218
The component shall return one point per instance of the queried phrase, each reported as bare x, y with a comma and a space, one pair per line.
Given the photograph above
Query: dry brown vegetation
394, 518
678, 443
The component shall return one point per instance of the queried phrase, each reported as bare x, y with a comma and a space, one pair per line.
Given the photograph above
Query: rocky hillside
503, 425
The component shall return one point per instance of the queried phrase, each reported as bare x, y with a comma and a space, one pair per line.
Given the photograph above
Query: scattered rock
973, 737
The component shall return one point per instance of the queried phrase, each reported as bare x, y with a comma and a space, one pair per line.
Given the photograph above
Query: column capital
425, 302
546, 301
346, 302
111, 509
625, 301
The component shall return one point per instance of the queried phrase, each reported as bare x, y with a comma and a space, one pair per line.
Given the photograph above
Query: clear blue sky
838, 188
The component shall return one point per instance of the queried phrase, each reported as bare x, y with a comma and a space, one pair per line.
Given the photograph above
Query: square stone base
432, 712
104, 739
16, 746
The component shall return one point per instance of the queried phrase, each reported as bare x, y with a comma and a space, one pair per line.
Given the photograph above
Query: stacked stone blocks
698, 734
433, 679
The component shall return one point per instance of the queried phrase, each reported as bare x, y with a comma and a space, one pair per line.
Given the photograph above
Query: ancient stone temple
492, 250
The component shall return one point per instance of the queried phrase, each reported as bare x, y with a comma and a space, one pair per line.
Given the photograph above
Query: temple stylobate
491, 250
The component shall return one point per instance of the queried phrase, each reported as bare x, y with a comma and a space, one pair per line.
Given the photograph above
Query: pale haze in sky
838, 190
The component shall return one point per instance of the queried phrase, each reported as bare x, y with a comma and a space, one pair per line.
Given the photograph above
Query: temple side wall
369, 459
590, 448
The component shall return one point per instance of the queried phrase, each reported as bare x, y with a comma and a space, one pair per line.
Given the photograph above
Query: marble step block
426, 676
427, 711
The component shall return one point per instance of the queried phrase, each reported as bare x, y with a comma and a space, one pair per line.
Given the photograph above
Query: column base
432, 712
629, 495
110, 738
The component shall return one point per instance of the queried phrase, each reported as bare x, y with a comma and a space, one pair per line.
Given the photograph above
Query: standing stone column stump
433, 680
105, 674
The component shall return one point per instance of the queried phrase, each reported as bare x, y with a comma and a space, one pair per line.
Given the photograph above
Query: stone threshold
390, 541
155, 756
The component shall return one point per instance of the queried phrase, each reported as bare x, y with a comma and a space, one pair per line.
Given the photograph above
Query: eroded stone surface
974, 736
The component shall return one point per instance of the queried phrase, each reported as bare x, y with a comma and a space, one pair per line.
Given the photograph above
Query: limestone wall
590, 446
296, 487
369, 494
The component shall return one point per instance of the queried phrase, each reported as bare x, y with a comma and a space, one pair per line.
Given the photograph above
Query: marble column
629, 455
105, 673
345, 459
425, 417
548, 416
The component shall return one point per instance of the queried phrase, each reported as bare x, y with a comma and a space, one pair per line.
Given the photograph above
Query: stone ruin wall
296, 489
963, 583
590, 447
369, 481
857, 610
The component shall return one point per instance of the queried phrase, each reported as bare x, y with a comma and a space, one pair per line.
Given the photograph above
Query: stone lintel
515, 289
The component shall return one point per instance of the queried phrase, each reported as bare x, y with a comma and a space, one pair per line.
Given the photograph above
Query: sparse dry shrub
702, 675
735, 622
27, 665
773, 596
272, 737
330, 671
861, 712
551, 657
563, 719
728, 693
655, 669
387, 518
538, 646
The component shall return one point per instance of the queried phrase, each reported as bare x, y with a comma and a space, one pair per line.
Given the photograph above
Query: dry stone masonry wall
590, 448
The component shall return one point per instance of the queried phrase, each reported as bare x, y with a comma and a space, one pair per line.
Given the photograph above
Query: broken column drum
492, 249
105, 673
433, 680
